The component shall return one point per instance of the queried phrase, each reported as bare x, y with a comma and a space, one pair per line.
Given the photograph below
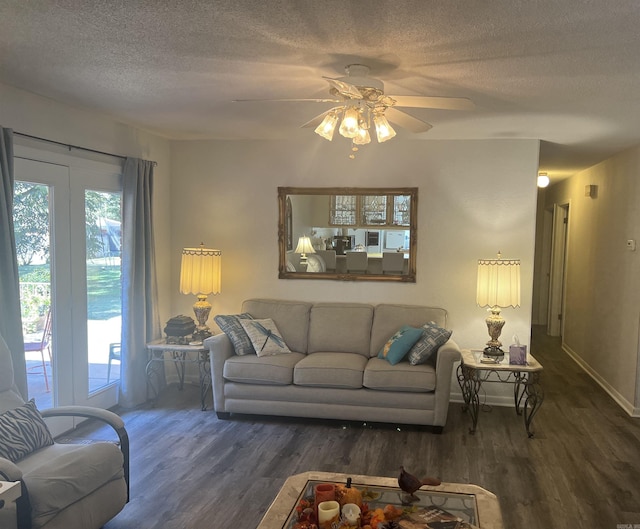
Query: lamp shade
200, 272
384, 130
304, 245
498, 283
349, 126
328, 126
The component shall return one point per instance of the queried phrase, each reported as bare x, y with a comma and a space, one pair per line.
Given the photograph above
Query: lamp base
200, 335
494, 353
201, 309
494, 322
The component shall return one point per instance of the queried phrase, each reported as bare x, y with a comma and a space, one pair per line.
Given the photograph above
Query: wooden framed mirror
348, 233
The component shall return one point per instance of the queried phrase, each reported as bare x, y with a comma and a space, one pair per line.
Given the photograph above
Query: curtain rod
69, 146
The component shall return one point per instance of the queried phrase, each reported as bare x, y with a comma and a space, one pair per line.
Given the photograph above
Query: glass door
67, 223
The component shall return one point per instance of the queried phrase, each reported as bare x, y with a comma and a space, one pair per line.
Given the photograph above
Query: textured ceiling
563, 71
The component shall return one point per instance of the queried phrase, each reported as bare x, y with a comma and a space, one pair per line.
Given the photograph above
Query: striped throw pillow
22, 431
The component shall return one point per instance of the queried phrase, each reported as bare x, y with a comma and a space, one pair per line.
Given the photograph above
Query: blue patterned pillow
22, 431
230, 325
399, 344
265, 337
433, 338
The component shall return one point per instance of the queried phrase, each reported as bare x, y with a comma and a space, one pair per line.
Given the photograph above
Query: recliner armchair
63, 486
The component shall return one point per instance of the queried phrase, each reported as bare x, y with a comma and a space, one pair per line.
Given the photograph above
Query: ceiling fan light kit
363, 104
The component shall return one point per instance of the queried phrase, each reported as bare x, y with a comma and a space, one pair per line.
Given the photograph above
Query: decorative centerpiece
348, 509
343, 506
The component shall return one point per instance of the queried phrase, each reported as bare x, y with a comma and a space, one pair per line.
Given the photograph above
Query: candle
325, 492
351, 513
328, 511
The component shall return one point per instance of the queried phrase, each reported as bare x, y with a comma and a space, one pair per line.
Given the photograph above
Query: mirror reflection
348, 233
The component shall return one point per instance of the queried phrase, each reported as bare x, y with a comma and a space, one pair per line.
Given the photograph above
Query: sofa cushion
291, 317
265, 337
425, 348
389, 318
61, 475
22, 431
379, 375
231, 326
251, 369
331, 370
341, 327
399, 344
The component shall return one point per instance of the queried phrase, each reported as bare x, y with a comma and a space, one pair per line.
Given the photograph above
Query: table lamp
498, 287
304, 247
200, 273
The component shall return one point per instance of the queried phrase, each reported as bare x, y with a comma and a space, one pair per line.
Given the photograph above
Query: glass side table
527, 391
180, 355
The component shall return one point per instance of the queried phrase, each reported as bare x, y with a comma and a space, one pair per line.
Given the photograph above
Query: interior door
80, 260
558, 267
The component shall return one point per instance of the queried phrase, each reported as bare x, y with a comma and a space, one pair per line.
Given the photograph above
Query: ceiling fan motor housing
357, 75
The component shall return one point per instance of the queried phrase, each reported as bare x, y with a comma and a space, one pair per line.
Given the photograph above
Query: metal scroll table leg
519, 390
178, 358
470, 387
153, 371
205, 378
534, 398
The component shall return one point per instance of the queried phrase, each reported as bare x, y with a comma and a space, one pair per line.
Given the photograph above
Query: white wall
602, 307
475, 198
38, 116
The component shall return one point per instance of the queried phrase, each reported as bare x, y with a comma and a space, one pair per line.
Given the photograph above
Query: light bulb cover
384, 131
363, 137
327, 128
543, 180
349, 127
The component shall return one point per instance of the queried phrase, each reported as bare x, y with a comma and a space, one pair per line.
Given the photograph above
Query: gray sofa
333, 371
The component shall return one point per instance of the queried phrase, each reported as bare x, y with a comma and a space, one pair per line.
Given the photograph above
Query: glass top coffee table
470, 503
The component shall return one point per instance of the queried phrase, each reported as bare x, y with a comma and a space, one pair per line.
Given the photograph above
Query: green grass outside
104, 288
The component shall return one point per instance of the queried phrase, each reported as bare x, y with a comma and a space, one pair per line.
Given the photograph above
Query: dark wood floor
582, 468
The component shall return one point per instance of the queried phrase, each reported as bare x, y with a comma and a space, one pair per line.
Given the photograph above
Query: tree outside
31, 225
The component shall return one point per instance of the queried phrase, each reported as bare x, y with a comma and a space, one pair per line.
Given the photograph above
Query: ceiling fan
363, 103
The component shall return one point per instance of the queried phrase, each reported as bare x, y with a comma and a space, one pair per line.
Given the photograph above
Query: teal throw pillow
425, 348
399, 344
231, 326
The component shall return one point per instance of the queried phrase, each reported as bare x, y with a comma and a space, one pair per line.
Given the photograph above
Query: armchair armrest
9, 471
105, 416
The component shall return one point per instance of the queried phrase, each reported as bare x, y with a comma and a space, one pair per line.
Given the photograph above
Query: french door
72, 257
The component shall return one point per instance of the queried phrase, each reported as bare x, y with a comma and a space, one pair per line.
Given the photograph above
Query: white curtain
140, 321
10, 318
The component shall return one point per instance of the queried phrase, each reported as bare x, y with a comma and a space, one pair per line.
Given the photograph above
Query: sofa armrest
9, 471
220, 348
105, 416
448, 355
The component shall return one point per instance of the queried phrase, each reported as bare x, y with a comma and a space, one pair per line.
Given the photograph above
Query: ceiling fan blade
289, 100
406, 121
346, 89
318, 119
445, 103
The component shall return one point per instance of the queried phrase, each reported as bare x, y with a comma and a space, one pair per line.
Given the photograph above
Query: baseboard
611, 391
